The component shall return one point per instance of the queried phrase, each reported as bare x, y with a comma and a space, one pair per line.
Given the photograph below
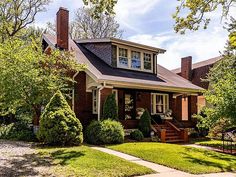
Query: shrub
16, 131
145, 123
105, 132
92, 133
58, 123
110, 110
136, 135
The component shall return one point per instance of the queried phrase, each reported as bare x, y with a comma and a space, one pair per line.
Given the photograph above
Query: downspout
99, 99
73, 92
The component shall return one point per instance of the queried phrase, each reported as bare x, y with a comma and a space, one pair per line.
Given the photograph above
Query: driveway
20, 159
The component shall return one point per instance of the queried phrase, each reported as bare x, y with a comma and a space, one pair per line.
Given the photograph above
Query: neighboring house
130, 71
196, 73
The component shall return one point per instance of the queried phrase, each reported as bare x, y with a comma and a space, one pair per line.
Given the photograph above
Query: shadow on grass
64, 157
25, 165
218, 160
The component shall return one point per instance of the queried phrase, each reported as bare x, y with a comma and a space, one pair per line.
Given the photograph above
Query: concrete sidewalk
162, 171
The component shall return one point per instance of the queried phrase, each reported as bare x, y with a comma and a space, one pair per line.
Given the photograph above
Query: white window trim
129, 50
153, 102
95, 99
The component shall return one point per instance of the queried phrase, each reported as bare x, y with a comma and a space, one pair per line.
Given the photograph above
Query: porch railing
160, 131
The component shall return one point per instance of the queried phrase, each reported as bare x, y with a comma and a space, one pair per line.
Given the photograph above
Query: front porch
174, 110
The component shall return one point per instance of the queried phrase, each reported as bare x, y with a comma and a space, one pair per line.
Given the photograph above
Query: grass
188, 159
213, 143
85, 161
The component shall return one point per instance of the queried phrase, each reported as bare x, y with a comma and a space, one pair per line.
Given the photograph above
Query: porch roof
102, 72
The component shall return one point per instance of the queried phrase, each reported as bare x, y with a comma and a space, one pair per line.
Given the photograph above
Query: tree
85, 26
145, 123
197, 11
58, 123
101, 6
30, 77
16, 15
110, 110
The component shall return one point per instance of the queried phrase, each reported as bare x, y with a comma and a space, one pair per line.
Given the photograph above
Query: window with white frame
95, 101
135, 60
159, 103
147, 61
123, 58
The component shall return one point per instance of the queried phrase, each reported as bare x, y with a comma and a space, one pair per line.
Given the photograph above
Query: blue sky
149, 22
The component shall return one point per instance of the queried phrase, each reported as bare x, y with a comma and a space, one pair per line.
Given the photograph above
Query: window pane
159, 99
159, 108
147, 61
123, 58
135, 60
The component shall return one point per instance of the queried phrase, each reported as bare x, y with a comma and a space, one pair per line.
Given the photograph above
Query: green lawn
213, 143
85, 161
188, 159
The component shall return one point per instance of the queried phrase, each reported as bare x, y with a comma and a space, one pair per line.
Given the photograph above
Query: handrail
158, 127
177, 122
173, 126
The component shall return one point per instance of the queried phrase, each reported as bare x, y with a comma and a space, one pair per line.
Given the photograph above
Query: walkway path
19, 159
162, 171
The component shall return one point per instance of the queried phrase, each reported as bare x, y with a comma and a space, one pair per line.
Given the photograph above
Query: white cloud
129, 11
201, 45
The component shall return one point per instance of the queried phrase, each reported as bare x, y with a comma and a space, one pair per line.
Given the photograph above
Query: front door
129, 105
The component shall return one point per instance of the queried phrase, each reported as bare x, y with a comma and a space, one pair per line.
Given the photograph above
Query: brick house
195, 73
130, 71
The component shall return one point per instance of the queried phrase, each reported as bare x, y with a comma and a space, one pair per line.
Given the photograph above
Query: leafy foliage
29, 77
136, 135
105, 132
17, 131
58, 123
101, 6
197, 11
16, 15
84, 26
110, 110
145, 123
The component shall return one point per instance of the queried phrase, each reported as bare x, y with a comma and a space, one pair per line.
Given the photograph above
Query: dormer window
135, 60
123, 58
147, 60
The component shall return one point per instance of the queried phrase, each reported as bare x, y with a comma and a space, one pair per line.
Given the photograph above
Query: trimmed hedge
58, 123
145, 123
105, 132
136, 135
110, 110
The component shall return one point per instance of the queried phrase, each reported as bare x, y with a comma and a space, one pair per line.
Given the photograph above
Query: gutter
73, 92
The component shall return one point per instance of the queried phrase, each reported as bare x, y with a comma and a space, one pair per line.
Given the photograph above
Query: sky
150, 22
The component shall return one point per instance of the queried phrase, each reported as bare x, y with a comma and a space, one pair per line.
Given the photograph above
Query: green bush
136, 135
110, 110
58, 123
145, 123
105, 132
92, 133
16, 131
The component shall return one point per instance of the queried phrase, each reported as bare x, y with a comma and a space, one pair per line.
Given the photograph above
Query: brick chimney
63, 28
186, 67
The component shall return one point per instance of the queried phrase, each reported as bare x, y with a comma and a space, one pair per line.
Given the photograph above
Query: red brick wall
144, 100
201, 73
83, 100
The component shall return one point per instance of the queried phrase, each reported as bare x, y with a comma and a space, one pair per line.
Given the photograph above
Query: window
159, 103
95, 101
135, 60
147, 61
123, 58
